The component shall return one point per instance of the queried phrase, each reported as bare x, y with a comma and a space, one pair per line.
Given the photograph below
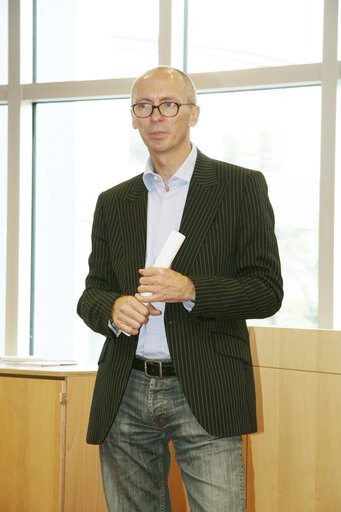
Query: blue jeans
135, 458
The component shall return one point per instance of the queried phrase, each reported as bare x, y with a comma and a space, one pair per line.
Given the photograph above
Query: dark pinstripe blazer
231, 255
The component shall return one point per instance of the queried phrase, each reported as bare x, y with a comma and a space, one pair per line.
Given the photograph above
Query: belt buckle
146, 369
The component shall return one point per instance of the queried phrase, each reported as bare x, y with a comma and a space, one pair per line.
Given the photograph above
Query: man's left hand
165, 285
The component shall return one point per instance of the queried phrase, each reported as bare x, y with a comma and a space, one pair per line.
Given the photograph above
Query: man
176, 364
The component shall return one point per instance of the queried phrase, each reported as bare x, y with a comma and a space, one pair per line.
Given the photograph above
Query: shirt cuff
113, 328
189, 305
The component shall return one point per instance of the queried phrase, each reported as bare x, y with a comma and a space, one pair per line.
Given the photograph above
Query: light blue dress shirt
164, 215
165, 209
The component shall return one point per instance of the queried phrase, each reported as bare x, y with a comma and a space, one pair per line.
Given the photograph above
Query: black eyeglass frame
158, 107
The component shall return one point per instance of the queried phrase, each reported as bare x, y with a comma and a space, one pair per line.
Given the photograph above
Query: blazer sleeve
255, 290
101, 285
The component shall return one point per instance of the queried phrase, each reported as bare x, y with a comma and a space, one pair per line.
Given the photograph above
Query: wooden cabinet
293, 462
45, 464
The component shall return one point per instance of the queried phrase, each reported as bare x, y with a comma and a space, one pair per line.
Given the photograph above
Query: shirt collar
184, 172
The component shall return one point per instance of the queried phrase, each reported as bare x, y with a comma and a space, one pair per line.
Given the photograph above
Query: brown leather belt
153, 368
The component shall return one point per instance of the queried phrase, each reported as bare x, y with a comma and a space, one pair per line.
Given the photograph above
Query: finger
129, 312
139, 308
129, 306
145, 299
127, 329
129, 323
145, 271
146, 290
152, 271
153, 310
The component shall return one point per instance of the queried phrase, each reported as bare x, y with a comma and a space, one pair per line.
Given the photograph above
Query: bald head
167, 73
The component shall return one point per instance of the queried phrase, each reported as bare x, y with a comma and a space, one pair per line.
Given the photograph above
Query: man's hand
165, 285
129, 314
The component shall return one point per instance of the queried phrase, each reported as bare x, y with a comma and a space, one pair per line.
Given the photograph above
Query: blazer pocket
232, 346
103, 351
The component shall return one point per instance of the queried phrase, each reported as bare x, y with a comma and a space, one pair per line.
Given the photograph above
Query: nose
156, 116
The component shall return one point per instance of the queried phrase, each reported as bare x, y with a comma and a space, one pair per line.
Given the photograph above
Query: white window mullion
19, 183
13, 182
329, 78
165, 32
337, 227
258, 78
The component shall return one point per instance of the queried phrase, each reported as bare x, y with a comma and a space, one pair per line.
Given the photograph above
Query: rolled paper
169, 249
167, 254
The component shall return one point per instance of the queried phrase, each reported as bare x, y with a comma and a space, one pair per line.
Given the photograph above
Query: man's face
161, 134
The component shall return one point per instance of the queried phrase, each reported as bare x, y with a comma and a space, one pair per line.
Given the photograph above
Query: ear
194, 116
133, 120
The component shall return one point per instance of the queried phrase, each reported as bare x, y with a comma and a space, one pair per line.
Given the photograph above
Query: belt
154, 369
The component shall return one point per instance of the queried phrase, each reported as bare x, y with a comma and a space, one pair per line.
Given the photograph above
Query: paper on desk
167, 254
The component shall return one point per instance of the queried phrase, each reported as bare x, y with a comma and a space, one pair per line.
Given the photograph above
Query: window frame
20, 94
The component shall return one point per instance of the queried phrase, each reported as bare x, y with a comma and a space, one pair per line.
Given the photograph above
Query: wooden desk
45, 464
294, 461
293, 464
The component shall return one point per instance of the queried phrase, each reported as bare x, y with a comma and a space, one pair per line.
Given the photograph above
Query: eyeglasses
166, 109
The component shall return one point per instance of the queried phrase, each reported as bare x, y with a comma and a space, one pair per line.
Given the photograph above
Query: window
3, 41
78, 40
247, 34
82, 148
254, 129
258, 67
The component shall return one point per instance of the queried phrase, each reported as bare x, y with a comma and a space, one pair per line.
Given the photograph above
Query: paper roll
169, 249
167, 254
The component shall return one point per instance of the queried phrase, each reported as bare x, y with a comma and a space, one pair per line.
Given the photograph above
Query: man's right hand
129, 314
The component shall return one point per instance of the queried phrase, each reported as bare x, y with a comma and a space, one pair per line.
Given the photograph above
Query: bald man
176, 363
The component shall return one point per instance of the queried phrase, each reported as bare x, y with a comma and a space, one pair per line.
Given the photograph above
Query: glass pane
82, 148
3, 41
278, 133
249, 34
3, 224
81, 40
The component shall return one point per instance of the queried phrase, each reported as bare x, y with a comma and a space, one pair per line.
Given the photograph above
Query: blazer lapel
133, 222
204, 197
